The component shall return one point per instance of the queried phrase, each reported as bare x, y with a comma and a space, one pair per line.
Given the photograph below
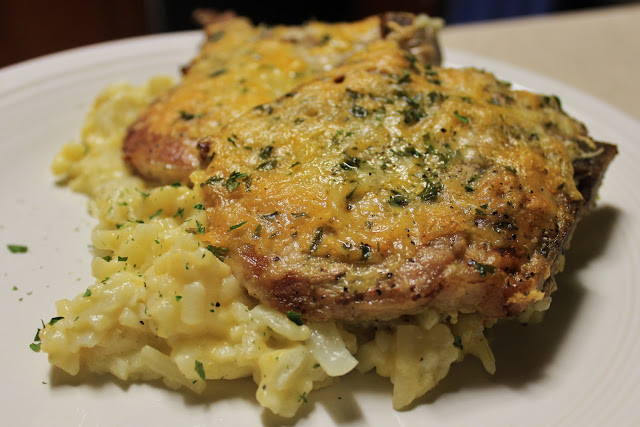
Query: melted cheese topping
241, 66
381, 157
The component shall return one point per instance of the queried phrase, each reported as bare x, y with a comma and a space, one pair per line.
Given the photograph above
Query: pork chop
387, 186
241, 66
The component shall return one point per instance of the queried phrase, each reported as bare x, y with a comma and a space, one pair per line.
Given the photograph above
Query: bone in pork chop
387, 186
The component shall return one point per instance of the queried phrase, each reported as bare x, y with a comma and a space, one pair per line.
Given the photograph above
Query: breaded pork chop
385, 187
241, 66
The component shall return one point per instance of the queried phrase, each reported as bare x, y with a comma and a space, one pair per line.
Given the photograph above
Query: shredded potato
164, 306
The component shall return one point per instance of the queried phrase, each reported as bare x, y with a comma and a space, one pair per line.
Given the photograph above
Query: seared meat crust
385, 187
241, 66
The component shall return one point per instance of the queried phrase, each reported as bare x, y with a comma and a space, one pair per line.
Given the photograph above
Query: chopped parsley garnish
158, 212
483, 269
142, 193
353, 94
511, 169
398, 200
410, 151
35, 346
232, 141
557, 99
214, 37
219, 252
436, 97
295, 318
405, 78
462, 118
199, 368
350, 163
317, 238
175, 184
233, 180
179, 212
264, 107
480, 212
233, 227
413, 115
218, 72
430, 191
211, 181
199, 227
55, 320
188, 116
350, 194
17, 249
178, 298
337, 136
266, 152
198, 206
469, 187
359, 111
457, 341
87, 293
548, 245
366, 251
268, 165
298, 120
429, 71
303, 397
271, 215
412, 60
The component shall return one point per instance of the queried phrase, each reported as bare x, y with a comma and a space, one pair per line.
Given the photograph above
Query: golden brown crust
385, 187
241, 66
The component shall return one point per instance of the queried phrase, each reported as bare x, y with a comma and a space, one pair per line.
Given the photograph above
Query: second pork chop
241, 66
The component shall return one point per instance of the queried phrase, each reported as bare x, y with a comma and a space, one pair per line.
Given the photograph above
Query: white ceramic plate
580, 366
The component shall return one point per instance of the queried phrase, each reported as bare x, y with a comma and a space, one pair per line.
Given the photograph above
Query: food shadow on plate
524, 352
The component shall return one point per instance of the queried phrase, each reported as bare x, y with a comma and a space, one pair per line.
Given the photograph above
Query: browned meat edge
296, 293
165, 158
